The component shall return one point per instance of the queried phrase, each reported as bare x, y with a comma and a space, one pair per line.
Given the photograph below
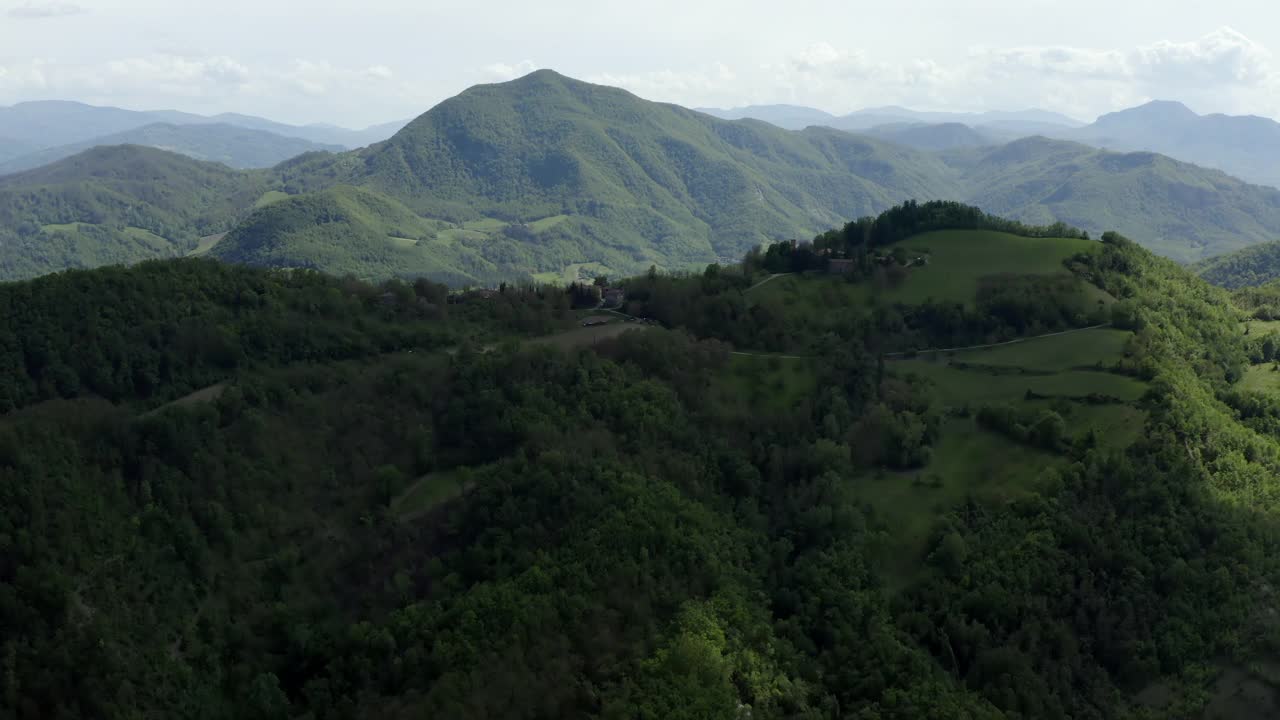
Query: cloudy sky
358, 63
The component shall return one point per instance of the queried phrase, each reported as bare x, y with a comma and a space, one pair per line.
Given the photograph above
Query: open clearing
203, 395
1053, 353
425, 494
1262, 378
958, 259
757, 383
957, 386
268, 197
967, 462
586, 336
206, 244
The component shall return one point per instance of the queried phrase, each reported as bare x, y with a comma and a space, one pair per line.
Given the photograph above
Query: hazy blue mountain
53, 123
237, 147
1246, 146
791, 117
1012, 124
1018, 123
320, 133
1176, 209
10, 148
943, 136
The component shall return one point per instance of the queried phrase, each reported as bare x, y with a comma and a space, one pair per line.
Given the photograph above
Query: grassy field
1261, 327
1261, 378
958, 259
269, 197
967, 462
485, 225
402, 242
573, 273
1085, 349
547, 223
586, 336
753, 384
955, 386
426, 493
206, 244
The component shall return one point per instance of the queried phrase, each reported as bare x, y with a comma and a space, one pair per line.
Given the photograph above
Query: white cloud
1223, 70
504, 71
32, 10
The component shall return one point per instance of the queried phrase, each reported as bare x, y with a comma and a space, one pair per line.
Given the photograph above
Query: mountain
791, 117
118, 204
945, 136
237, 147
1245, 146
556, 179
586, 174
53, 123
321, 134
1250, 267
797, 117
1024, 121
1174, 208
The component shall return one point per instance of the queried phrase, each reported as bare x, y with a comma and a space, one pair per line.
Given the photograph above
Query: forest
400, 504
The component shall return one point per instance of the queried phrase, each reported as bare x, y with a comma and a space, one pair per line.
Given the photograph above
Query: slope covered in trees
115, 205
391, 512
1256, 265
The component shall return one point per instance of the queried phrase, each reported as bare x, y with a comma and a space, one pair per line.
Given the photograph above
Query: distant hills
796, 117
555, 179
50, 123
116, 204
1247, 146
1250, 267
237, 147
37, 133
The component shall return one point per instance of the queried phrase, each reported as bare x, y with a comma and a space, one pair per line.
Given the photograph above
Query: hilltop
118, 204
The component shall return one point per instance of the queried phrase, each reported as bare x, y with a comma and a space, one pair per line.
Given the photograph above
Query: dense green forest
1251, 266
239, 493
565, 180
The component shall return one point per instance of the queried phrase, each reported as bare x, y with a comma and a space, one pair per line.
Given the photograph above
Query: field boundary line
904, 353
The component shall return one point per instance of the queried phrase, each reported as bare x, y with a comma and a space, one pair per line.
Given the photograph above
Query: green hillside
651, 184
1177, 210
118, 204
358, 231
1256, 265
233, 492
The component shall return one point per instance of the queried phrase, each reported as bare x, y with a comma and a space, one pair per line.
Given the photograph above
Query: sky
361, 63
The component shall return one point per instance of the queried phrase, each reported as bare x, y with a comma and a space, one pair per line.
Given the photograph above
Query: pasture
959, 259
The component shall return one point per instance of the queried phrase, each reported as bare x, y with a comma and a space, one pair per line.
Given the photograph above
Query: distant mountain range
555, 179
37, 133
1245, 146
234, 146
795, 117
50, 123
